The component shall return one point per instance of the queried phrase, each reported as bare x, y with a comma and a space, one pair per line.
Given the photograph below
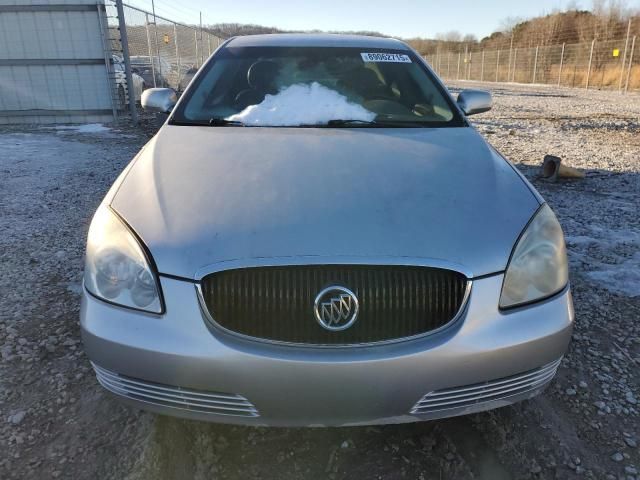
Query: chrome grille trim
443, 300
460, 397
175, 397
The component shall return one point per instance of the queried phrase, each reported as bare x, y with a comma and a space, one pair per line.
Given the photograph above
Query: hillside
606, 21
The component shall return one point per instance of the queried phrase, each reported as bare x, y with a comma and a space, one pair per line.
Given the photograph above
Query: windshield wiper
354, 122
223, 122
339, 122
212, 122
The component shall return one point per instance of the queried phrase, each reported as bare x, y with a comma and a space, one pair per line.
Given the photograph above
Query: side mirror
474, 101
159, 99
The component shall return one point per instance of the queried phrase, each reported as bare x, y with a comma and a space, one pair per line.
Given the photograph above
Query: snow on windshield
302, 104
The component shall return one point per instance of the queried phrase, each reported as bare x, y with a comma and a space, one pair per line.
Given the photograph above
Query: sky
398, 18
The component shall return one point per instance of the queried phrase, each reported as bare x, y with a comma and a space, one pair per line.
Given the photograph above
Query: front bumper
174, 364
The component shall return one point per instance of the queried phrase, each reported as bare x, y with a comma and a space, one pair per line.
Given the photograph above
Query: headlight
116, 268
538, 266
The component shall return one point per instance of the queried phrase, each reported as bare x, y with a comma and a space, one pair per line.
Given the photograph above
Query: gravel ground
55, 422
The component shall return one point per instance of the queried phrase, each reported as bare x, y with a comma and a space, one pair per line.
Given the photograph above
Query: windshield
310, 86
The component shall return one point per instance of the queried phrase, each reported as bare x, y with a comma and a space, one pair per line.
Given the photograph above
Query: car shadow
451, 448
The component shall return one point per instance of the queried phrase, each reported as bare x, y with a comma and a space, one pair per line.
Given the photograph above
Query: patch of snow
86, 128
579, 240
302, 104
612, 257
623, 278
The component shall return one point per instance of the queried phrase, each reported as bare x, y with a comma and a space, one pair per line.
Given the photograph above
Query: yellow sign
166, 38
616, 52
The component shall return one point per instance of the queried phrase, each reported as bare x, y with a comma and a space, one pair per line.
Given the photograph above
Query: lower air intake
175, 397
470, 395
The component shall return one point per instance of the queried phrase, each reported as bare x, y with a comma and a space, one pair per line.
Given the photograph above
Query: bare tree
509, 23
450, 36
470, 38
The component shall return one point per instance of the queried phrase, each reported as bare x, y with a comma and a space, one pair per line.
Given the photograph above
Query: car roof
316, 40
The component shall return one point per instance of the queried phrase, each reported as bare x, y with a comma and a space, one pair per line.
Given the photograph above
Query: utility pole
201, 49
175, 39
593, 42
155, 29
633, 46
195, 37
153, 68
561, 63
448, 64
466, 62
535, 66
510, 51
124, 40
624, 56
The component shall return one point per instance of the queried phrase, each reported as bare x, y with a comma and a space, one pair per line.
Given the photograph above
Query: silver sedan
318, 236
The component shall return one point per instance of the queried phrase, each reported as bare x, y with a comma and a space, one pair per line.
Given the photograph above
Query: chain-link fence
611, 64
164, 53
160, 53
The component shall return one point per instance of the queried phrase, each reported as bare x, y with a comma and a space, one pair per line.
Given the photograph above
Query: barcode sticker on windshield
385, 57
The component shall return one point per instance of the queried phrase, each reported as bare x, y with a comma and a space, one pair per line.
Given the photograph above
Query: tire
143, 87
122, 98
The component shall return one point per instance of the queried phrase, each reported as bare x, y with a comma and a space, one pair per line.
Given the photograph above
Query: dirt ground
56, 422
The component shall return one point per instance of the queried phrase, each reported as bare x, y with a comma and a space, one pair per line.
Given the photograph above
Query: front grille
175, 397
501, 389
277, 303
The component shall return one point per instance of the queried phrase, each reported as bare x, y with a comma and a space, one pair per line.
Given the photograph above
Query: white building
54, 65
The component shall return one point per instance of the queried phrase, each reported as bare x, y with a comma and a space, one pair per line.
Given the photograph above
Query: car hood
198, 196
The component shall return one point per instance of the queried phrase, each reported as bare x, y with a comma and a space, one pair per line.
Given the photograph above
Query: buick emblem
336, 308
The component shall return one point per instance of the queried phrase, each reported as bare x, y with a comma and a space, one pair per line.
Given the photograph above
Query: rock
583, 384
630, 398
631, 442
5, 352
631, 470
17, 417
617, 457
75, 288
428, 442
570, 391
